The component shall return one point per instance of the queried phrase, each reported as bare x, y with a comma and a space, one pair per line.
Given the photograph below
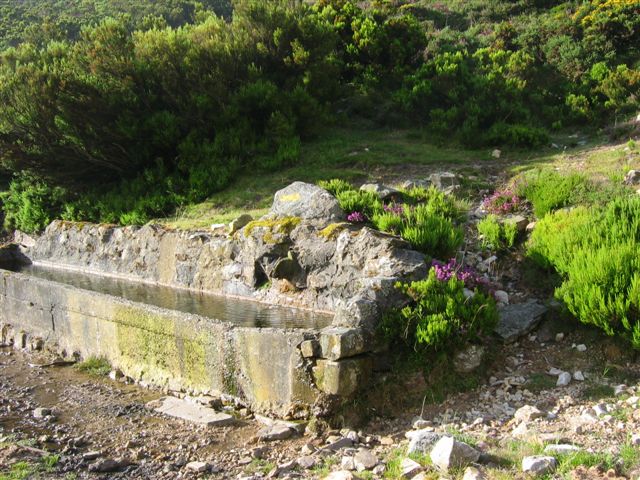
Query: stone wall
305, 260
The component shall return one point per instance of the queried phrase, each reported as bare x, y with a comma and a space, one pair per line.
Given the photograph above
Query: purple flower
395, 208
502, 201
356, 217
466, 274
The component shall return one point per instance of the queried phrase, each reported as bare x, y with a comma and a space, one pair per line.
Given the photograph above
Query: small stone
421, 441
90, 456
559, 337
410, 468
581, 348
310, 348
239, 223
538, 465
554, 372
620, 390
307, 462
275, 432
338, 444
561, 449
379, 470
601, 409
528, 413
197, 467
496, 153
451, 453
347, 463
635, 439
339, 475
563, 379
633, 401
472, 473
468, 359
578, 375
41, 412
364, 460
501, 297
107, 465
420, 423
116, 374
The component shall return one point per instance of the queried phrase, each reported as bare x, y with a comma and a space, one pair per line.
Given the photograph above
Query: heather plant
548, 190
335, 186
596, 251
502, 202
496, 234
361, 201
440, 316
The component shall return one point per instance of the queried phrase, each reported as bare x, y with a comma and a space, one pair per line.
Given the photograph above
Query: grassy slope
359, 153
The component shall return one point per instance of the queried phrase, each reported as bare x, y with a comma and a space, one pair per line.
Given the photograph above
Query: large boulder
309, 202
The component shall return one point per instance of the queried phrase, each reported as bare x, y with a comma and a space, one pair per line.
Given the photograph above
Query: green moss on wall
281, 226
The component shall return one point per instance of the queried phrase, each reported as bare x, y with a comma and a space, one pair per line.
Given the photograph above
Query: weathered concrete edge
263, 367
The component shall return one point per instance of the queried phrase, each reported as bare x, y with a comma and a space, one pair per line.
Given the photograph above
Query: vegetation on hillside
135, 116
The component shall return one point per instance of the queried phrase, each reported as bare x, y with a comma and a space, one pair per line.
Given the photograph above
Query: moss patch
156, 345
278, 226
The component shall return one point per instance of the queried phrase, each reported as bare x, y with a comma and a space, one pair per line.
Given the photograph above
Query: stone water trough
301, 294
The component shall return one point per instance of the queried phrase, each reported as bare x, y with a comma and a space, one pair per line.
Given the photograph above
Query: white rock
620, 390
364, 460
581, 348
451, 453
347, 463
472, 473
501, 296
496, 153
410, 468
538, 465
339, 475
635, 439
197, 467
563, 379
554, 372
559, 337
528, 413
422, 440
633, 401
601, 409
307, 462
578, 375
561, 449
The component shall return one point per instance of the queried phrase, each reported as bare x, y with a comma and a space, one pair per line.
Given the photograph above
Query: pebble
538, 465
578, 375
563, 379
410, 468
197, 467
581, 348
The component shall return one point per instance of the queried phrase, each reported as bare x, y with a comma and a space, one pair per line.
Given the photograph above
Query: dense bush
30, 204
440, 316
496, 234
548, 190
425, 217
596, 251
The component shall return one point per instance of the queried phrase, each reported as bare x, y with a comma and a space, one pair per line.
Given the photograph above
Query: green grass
27, 470
360, 153
540, 381
94, 366
597, 391
259, 465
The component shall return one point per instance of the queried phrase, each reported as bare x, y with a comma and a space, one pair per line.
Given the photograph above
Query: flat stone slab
519, 319
191, 412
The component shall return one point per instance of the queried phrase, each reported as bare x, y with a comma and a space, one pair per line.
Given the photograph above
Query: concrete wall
264, 367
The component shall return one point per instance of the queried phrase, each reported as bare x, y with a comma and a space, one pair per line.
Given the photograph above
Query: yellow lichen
282, 226
331, 231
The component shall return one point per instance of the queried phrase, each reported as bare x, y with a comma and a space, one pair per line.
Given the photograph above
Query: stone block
342, 377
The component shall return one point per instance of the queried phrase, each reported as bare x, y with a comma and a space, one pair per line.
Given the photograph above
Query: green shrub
335, 186
94, 366
440, 316
437, 202
596, 251
430, 233
496, 234
30, 204
361, 201
548, 190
